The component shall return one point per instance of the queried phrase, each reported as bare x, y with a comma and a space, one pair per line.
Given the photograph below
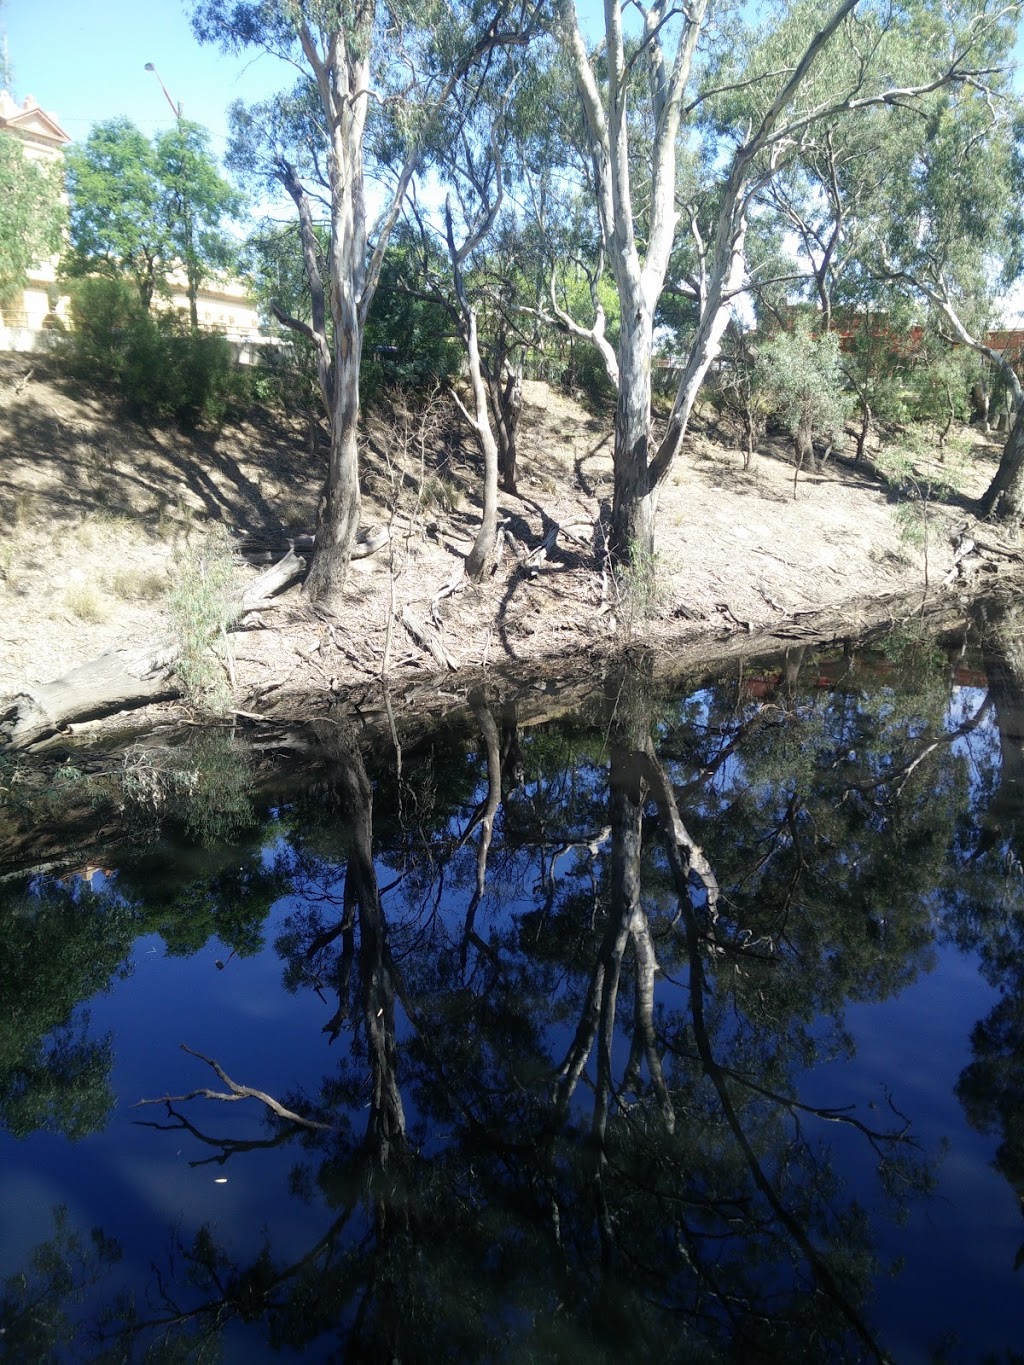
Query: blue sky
84, 61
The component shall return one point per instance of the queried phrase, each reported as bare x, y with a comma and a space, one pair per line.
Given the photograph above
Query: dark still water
675, 1027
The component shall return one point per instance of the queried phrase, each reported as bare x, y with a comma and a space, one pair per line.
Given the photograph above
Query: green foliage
409, 342
583, 368
157, 364
938, 387
115, 227
31, 215
803, 375
34, 1303
741, 388
878, 364
59, 949
205, 785
203, 604
918, 476
144, 210
193, 202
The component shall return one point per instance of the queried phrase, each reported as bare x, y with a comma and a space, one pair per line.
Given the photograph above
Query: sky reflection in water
537, 1143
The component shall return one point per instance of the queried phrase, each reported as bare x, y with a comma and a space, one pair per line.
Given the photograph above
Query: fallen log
119, 679
264, 548
429, 638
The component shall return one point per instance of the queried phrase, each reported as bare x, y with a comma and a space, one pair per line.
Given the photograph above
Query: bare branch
238, 1092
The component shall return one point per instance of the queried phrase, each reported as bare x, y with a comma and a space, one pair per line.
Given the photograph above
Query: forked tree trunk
480, 418
506, 406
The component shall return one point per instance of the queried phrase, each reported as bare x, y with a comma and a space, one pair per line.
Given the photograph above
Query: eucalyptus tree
953, 230
480, 282
750, 99
953, 234
351, 53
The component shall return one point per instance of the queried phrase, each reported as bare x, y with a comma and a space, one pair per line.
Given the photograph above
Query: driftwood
265, 548
430, 639
119, 679
978, 547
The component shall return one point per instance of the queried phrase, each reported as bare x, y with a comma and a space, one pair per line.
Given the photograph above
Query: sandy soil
98, 512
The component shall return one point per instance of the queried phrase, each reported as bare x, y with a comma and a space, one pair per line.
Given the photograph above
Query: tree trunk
980, 401
507, 404
631, 538
385, 1130
480, 555
1004, 498
865, 427
338, 514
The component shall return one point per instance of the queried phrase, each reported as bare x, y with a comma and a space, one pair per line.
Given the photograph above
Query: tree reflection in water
579, 978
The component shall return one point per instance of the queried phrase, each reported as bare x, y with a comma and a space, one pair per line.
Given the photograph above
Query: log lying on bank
120, 679
267, 547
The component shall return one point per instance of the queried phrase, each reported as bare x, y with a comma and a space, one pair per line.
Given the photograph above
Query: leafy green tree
803, 374
143, 210
741, 105
115, 227
31, 215
194, 201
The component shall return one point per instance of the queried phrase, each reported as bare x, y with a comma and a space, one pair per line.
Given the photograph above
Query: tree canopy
31, 215
148, 210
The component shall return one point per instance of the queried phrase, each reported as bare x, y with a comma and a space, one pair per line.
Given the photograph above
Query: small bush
443, 494
202, 607
154, 360
640, 590
138, 585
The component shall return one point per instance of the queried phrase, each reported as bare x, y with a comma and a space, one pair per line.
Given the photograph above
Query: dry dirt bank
99, 511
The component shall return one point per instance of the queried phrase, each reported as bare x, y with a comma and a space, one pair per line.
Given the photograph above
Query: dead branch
238, 1092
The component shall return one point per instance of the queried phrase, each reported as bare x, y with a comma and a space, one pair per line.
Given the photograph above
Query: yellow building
223, 305
43, 140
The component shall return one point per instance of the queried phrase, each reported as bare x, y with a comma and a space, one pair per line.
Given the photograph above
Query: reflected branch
492, 744
229, 1147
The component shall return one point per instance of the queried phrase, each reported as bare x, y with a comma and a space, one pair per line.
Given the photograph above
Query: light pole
175, 108
186, 205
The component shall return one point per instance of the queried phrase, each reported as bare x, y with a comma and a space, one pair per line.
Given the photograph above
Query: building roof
30, 122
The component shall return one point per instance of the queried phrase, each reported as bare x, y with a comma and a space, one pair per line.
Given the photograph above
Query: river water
686, 1025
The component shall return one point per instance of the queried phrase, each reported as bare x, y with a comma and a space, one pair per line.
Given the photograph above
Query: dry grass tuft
87, 603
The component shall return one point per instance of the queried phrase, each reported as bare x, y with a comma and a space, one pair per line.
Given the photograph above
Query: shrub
154, 360
803, 377
202, 607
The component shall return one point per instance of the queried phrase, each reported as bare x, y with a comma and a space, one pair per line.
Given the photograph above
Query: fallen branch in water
238, 1092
